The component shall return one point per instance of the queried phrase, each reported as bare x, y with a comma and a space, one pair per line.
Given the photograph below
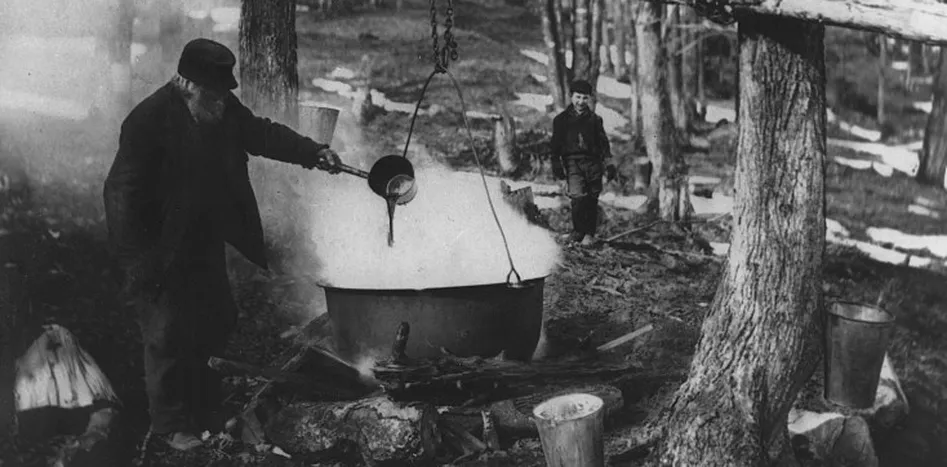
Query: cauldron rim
528, 283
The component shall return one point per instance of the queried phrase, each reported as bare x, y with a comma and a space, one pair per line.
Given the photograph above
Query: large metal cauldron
480, 320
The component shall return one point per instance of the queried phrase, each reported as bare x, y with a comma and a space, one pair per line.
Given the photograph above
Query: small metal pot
391, 177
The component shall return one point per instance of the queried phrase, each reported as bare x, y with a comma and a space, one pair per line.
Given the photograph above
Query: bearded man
177, 191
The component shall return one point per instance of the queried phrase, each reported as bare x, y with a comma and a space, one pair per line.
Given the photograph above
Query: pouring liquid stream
392, 201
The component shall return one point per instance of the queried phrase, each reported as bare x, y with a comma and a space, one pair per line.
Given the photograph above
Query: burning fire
445, 237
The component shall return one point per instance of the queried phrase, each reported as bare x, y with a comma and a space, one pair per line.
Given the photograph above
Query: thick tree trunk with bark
558, 73
596, 38
269, 83
760, 341
669, 194
933, 157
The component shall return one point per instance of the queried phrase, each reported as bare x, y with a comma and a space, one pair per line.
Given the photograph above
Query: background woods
765, 167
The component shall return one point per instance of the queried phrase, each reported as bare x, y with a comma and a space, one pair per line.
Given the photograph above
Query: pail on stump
570, 429
856, 339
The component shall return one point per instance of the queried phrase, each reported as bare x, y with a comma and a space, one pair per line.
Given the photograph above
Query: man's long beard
206, 111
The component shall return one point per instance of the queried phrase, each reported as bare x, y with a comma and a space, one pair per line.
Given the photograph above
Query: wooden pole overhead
914, 20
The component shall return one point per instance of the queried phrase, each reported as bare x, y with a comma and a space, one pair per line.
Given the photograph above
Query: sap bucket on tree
856, 339
570, 429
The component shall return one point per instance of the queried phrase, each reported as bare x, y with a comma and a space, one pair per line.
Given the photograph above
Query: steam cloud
445, 237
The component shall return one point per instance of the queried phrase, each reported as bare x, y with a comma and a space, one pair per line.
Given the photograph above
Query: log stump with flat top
377, 431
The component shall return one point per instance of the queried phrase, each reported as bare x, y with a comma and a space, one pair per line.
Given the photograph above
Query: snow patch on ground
923, 106
936, 244
611, 87
900, 158
612, 120
864, 133
536, 55
836, 233
537, 101
719, 110
378, 98
342, 73
899, 65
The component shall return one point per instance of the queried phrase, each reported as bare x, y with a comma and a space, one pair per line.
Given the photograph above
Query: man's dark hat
208, 63
581, 87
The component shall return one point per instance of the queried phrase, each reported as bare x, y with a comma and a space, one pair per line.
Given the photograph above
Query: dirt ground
659, 275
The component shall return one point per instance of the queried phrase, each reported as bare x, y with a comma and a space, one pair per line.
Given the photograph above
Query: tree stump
376, 430
504, 143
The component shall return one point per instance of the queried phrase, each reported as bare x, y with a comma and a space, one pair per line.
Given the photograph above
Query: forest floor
56, 169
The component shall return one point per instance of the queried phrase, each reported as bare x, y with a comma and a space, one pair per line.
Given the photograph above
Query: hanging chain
443, 56
449, 41
436, 51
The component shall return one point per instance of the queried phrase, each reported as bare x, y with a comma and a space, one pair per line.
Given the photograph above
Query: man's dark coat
152, 189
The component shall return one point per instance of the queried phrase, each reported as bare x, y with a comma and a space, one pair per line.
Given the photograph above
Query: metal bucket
481, 320
856, 339
570, 430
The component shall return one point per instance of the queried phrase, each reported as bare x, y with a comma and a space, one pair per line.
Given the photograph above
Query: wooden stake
623, 339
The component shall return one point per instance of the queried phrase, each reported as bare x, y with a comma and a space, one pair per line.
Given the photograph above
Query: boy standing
580, 148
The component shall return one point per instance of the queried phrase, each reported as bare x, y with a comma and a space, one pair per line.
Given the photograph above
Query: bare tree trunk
608, 33
916, 57
672, 44
399, 5
634, 103
882, 66
268, 76
736, 100
689, 62
269, 86
620, 31
701, 84
170, 30
120, 47
933, 157
597, 21
760, 341
584, 61
557, 79
669, 194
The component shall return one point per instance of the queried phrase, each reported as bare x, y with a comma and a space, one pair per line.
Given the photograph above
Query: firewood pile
449, 410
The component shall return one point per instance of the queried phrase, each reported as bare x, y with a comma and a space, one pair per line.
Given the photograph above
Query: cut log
473, 381
916, 20
377, 431
322, 388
